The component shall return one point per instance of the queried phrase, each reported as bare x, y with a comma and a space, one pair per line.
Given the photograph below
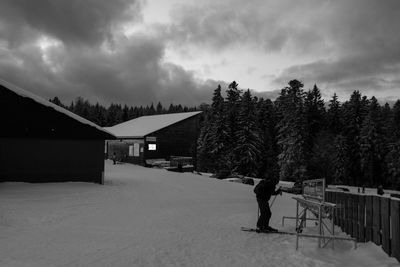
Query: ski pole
270, 206
272, 203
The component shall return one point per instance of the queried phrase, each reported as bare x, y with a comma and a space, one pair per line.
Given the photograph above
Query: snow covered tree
268, 163
396, 121
334, 120
315, 111
354, 112
372, 145
341, 161
393, 165
248, 142
213, 140
292, 133
232, 112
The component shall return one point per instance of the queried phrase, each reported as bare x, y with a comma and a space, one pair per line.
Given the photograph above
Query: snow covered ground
151, 217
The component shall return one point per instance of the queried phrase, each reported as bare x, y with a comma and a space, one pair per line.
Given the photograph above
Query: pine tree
334, 120
213, 140
266, 117
232, 107
315, 111
159, 108
248, 144
292, 133
341, 161
396, 121
372, 145
353, 116
393, 165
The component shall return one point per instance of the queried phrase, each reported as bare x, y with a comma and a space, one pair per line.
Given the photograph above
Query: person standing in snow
114, 158
264, 190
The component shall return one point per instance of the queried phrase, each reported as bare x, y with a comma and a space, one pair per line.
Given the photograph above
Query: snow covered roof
21, 92
145, 125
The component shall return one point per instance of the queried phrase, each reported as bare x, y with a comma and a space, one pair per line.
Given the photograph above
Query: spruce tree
248, 142
353, 116
268, 163
341, 161
292, 133
372, 145
334, 121
393, 165
232, 108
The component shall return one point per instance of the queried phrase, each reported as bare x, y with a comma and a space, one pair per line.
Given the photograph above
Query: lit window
152, 146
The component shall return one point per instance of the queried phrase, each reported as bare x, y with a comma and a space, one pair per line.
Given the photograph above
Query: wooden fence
369, 218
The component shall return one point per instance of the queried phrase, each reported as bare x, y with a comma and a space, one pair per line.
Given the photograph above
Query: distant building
157, 137
42, 142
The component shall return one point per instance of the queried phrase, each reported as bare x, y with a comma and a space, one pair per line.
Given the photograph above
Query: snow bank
151, 217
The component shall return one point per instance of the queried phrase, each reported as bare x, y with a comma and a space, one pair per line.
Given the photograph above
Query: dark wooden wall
369, 218
42, 160
179, 139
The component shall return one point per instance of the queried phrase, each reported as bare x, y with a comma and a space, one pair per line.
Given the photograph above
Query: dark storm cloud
88, 57
131, 73
72, 21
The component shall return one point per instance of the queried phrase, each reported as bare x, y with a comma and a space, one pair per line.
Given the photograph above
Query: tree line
299, 136
116, 113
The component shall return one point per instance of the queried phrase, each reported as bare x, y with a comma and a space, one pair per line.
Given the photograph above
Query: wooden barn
158, 137
42, 142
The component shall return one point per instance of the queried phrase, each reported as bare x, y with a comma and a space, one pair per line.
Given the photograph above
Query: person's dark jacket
265, 189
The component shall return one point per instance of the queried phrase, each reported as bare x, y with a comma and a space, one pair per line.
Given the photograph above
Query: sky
138, 52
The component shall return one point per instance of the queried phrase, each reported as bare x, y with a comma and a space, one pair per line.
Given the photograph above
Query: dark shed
156, 137
42, 142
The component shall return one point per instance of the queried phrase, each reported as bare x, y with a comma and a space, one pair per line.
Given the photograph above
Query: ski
248, 229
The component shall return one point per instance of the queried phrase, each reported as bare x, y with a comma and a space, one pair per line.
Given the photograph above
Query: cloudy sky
142, 51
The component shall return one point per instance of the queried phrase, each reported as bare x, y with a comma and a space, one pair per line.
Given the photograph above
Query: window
152, 146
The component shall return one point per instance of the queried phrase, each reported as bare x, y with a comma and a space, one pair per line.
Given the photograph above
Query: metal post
320, 226
333, 225
297, 224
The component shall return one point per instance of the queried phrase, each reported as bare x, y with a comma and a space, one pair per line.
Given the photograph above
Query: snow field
151, 217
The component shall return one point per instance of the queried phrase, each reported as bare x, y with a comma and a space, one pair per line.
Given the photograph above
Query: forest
295, 137
299, 136
116, 113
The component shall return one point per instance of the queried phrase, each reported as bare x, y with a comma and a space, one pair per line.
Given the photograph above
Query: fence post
395, 221
361, 218
354, 201
376, 222
369, 217
343, 211
385, 223
349, 214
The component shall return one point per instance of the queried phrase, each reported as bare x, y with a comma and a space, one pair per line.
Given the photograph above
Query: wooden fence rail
369, 218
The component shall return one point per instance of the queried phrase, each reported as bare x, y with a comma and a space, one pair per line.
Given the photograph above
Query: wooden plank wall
369, 218
395, 222
376, 221
361, 218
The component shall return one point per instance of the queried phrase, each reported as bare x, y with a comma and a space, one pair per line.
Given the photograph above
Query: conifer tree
353, 116
341, 161
372, 145
292, 133
334, 120
248, 144
396, 121
393, 165
268, 163
232, 107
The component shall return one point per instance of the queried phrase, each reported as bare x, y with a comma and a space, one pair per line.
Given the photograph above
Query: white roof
145, 125
21, 92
